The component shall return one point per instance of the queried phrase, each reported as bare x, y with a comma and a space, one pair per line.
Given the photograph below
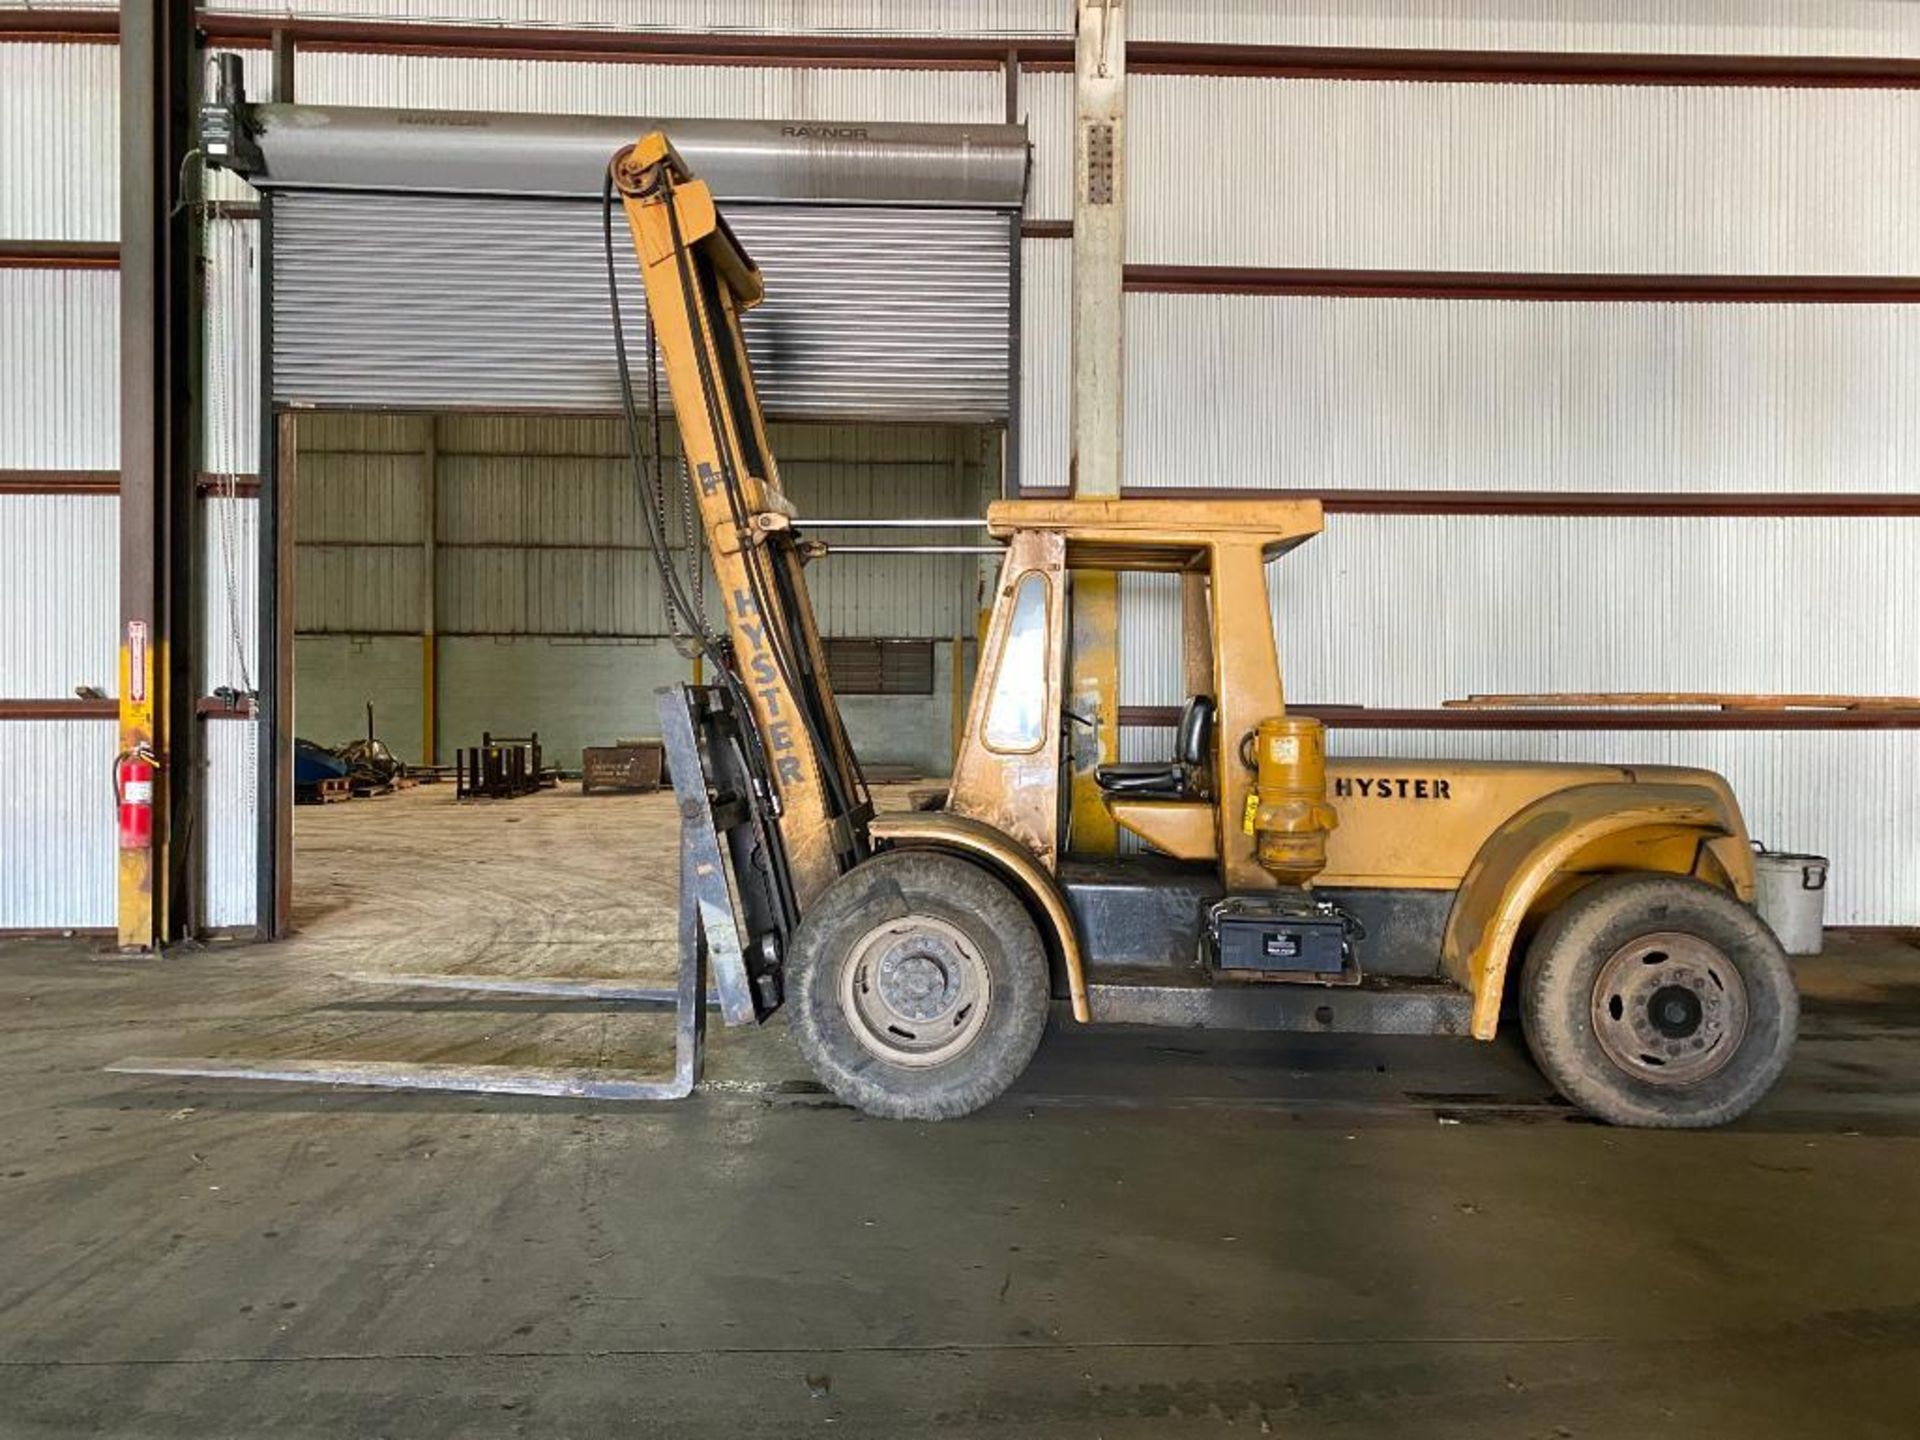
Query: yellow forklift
919, 953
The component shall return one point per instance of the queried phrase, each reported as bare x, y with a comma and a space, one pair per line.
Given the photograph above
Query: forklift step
1192, 999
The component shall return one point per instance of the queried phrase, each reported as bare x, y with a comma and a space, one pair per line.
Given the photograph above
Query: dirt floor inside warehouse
1158, 1233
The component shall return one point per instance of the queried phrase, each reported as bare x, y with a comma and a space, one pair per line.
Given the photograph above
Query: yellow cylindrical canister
1293, 818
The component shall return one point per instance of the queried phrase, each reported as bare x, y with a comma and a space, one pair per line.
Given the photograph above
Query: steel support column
1099, 411
159, 567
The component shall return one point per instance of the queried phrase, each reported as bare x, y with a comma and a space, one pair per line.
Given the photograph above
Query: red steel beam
1154, 57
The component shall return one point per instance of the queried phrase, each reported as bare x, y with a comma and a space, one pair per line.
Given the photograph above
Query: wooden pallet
324, 792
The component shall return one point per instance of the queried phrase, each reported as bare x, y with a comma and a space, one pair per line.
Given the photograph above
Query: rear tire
917, 986
1658, 1001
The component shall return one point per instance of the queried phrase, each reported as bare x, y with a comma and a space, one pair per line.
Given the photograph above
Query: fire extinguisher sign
137, 661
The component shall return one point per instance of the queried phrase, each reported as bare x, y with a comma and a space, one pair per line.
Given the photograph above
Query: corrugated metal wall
548, 607
1236, 391
1523, 177
59, 367
1386, 394
56, 825
59, 554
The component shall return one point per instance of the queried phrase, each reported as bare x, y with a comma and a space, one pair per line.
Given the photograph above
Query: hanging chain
686, 642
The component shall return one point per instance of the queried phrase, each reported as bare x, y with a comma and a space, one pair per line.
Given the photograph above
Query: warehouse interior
422, 1005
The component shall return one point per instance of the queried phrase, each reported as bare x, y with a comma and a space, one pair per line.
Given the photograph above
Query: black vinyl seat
1173, 780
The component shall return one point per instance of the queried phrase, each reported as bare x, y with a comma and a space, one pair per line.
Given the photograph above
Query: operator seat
1175, 780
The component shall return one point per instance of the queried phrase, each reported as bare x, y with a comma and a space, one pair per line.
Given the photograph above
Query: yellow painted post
137, 868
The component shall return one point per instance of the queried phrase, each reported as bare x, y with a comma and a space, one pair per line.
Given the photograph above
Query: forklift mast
699, 281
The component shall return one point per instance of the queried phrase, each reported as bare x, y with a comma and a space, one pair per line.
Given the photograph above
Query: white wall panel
56, 824
228, 820
1384, 610
804, 17
230, 593
59, 595
1844, 794
232, 353
1678, 179
590, 88
1732, 27
59, 142
1525, 395
59, 369
1046, 358
1046, 104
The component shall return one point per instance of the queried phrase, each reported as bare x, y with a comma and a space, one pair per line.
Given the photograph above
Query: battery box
1310, 942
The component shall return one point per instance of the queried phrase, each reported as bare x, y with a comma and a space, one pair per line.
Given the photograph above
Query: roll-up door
466, 302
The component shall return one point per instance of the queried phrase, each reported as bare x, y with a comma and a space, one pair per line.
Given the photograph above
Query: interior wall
546, 602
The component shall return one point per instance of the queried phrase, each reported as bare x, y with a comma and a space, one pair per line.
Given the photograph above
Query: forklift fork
709, 937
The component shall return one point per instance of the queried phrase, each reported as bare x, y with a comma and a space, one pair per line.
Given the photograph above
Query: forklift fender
1011, 861
1603, 828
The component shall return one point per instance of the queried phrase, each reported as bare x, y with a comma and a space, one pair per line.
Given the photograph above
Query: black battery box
1254, 936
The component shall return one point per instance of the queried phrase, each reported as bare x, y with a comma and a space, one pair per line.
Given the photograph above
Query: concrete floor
1160, 1233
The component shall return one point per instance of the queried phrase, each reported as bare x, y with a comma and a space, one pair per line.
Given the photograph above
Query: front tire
1658, 1001
917, 986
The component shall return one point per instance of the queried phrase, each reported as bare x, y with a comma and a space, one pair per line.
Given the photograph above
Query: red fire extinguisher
133, 776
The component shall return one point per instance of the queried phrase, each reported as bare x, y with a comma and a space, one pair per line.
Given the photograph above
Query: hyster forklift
918, 953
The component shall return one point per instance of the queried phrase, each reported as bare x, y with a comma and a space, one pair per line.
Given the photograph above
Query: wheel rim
915, 991
1670, 1009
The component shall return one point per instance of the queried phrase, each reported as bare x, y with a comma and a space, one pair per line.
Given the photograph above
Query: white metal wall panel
230, 592
1386, 610
59, 369
1046, 361
231, 361
573, 87
1730, 27
59, 594
228, 817
56, 824
59, 142
1046, 104
1844, 794
1227, 390
478, 304
1679, 179
771, 17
